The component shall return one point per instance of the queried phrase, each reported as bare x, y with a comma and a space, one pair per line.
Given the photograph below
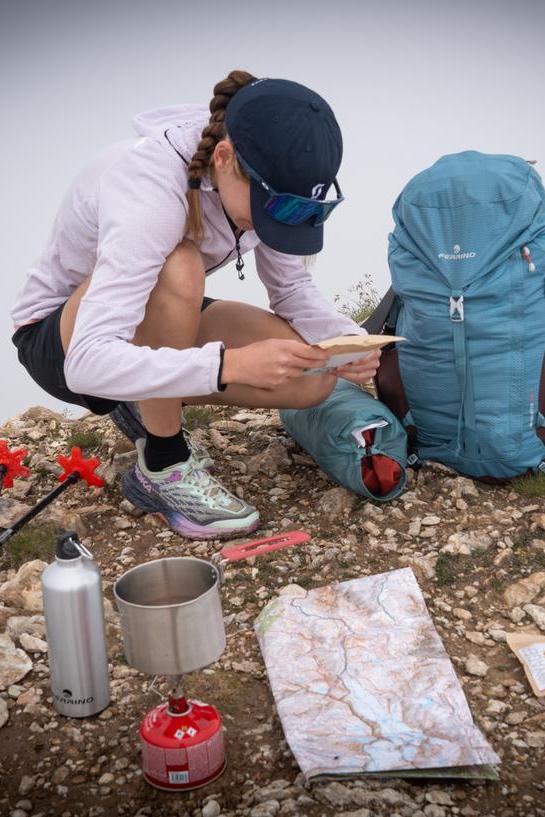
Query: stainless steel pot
171, 616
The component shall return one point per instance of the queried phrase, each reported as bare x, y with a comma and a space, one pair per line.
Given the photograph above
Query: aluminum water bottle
74, 620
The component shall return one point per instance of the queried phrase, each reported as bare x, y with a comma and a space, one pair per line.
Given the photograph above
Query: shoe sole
180, 523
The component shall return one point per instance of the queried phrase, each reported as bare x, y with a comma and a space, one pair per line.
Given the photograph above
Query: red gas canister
182, 745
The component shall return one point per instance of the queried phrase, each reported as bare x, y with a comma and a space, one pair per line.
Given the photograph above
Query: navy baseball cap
288, 135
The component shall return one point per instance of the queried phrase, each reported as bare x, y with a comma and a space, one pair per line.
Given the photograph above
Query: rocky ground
478, 553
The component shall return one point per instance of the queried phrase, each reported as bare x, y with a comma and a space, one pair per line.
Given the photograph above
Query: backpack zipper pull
239, 262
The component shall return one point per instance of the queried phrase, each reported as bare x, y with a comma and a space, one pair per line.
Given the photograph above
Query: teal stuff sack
355, 439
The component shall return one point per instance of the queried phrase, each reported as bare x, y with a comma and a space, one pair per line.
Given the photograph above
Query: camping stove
182, 743
172, 624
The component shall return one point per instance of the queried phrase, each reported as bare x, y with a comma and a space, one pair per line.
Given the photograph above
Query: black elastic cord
221, 386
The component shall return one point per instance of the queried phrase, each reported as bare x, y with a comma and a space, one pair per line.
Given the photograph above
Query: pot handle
259, 546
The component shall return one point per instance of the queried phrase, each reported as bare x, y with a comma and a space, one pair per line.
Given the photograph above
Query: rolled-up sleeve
141, 213
294, 297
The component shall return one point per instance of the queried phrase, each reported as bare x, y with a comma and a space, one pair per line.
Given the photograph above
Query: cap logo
316, 191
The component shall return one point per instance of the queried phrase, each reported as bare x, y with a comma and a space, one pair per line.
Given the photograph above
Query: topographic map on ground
363, 684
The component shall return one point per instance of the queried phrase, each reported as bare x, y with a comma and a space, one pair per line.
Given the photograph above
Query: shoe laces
208, 486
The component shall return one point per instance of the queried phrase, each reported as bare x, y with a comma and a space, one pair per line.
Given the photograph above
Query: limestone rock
121, 523
14, 663
537, 613
29, 696
267, 809
462, 613
5, 614
32, 644
336, 502
475, 637
211, 809
228, 425
40, 414
219, 440
273, 459
497, 634
423, 567
525, 590
474, 666
465, 487
32, 625
63, 518
466, 543
371, 528
11, 510
26, 784
4, 713
539, 520
336, 794
24, 591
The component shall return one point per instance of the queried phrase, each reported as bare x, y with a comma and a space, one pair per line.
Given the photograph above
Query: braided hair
213, 133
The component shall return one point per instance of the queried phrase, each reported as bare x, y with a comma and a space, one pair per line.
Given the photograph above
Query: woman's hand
361, 371
270, 363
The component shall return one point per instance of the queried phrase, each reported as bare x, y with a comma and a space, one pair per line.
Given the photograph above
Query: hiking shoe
127, 418
190, 500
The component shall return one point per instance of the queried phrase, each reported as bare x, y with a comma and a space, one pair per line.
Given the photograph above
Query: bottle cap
66, 545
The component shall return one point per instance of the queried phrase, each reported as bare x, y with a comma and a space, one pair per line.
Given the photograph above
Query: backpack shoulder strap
375, 322
388, 383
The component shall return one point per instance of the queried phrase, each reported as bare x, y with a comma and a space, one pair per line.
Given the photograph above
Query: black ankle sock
160, 452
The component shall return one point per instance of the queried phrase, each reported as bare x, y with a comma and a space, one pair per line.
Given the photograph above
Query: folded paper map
349, 348
363, 684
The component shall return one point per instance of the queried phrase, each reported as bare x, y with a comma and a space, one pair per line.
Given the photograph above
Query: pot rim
215, 586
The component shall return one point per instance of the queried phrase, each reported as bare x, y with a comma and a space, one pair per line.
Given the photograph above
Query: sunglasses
291, 209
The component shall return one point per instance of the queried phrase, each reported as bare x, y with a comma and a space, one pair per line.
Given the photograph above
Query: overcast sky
408, 80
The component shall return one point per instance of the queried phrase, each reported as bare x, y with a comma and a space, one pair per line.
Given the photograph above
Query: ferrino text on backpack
467, 260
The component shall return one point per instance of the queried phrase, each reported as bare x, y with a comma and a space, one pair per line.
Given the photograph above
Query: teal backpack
355, 439
467, 260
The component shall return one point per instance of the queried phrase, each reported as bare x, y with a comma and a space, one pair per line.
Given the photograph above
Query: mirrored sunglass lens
325, 212
290, 210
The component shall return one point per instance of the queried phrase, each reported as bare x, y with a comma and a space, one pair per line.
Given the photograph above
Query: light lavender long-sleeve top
121, 217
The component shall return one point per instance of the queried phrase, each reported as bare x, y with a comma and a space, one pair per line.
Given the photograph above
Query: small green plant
523, 540
447, 568
532, 485
497, 584
362, 300
32, 543
305, 581
86, 439
198, 416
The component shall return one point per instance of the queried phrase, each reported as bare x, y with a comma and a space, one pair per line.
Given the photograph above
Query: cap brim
300, 239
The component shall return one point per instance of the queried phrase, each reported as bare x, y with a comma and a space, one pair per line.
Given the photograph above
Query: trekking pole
76, 467
11, 465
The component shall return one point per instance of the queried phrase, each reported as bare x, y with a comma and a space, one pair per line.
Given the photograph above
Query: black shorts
39, 349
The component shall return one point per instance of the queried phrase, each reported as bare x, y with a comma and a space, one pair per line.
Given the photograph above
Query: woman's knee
183, 274
311, 390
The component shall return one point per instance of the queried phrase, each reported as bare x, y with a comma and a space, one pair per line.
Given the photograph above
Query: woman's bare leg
173, 318
238, 324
